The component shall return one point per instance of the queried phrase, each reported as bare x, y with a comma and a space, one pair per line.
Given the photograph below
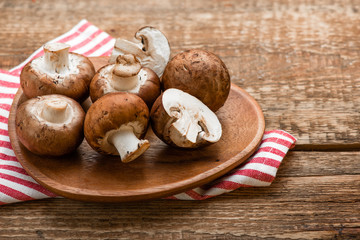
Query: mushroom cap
46, 138
109, 113
148, 87
201, 74
35, 81
177, 107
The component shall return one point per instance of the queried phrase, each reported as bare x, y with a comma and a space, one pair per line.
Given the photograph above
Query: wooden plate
161, 171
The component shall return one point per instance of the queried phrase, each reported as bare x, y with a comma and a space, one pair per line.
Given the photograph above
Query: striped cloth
258, 171
16, 185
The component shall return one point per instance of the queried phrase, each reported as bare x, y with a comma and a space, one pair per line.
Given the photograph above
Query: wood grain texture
299, 59
298, 205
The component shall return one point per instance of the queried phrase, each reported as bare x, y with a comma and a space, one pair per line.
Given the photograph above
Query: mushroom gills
192, 122
185, 127
127, 144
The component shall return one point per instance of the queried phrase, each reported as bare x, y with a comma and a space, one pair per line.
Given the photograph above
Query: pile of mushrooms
126, 97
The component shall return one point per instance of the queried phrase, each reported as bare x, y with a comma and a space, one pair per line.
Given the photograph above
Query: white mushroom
150, 46
182, 120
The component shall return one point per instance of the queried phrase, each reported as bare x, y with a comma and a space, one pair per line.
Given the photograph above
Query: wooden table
299, 59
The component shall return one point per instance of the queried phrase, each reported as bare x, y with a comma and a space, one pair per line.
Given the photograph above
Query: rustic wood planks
299, 59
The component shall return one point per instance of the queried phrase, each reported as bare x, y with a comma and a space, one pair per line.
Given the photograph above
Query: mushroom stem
124, 83
125, 72
57, 57
54, 111
127, 144
185, 128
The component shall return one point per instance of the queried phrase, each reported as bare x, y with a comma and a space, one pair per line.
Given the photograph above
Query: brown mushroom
58, 72
126, 75
50, 125
201, 74
182, 120
115, 123
150, 46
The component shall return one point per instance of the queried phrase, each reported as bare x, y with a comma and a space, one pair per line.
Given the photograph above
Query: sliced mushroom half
179, 119
150, 46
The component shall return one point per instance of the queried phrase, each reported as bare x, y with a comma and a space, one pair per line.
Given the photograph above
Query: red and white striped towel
16, 185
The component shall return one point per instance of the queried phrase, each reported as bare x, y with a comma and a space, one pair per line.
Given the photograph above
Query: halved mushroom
201, 74
126, 75
115, 123
50, 125
150, 46
182, 120
58, 72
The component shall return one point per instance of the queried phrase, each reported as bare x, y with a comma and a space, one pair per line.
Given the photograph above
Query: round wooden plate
161, 171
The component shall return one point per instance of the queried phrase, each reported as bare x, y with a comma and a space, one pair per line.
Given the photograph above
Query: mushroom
182, 120
115, 123
57, 72
201, 74
150, 46
50, 125
126, 75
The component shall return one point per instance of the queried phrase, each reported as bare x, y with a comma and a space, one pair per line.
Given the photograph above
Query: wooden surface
160, 172
299, 59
